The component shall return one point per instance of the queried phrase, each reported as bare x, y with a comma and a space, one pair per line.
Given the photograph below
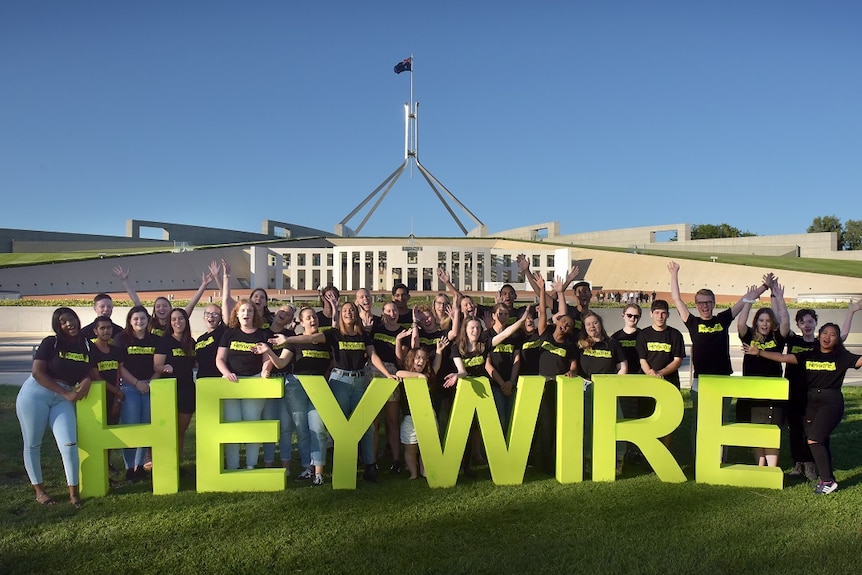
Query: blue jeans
242, 410
504, 405
135, 409
348, 390
37, 408
292, 413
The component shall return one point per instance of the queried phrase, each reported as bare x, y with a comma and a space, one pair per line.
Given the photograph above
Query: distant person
401, 297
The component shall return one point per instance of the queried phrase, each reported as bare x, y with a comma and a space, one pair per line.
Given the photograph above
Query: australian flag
404, 66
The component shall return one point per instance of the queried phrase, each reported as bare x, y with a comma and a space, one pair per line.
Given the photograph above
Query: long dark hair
64, 343
186, 340
839, 345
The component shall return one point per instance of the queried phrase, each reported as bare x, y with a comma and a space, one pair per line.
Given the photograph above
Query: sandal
45, 500
76, 502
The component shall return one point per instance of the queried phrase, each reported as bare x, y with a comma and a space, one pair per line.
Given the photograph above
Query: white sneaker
825, 488
318, 479
307, 473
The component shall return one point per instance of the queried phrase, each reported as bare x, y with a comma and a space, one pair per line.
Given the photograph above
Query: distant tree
828, 224
853, 234
707, 231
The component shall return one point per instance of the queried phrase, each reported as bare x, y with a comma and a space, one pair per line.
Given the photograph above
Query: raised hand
443, 275
523, 263
122, 274
673, 268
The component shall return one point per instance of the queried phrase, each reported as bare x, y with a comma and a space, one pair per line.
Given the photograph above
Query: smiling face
348, 314
162, 309
363, 299
583, 295
829, 338
631, 316
178, 322
70, 325
468, 307
473, 329
139, 322
390, 312
807, 324
705, 304
259, 298
440, 304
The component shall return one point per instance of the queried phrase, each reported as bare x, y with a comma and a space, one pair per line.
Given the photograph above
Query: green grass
635, 525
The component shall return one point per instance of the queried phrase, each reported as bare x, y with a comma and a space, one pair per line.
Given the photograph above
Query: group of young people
444, 342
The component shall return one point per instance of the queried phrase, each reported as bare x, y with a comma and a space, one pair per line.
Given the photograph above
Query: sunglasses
633, 316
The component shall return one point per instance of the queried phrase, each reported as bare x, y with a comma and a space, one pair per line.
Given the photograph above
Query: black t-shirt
756, 365
474, 362
503, 354
107, 362
795, 374
602, 357
826, 370
531, 351
348, 351
556, 357
384, 341
406, 319
139, 354
324, 322
710, 343
310, 358
628, 341
241, 358
278, 348
206, 349
182, 363
660, 348
67, 361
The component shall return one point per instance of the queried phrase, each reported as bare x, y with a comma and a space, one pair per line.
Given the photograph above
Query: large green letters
711, 434
95, 438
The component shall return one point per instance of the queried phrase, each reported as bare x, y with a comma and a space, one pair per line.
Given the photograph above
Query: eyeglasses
211, 314
707, 302
633, 316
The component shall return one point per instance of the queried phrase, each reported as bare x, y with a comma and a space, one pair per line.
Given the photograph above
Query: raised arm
560, 289
781, 304
206, 278
742, 318
536, 281
681, 308
510, 330
852, 308
227, 302
444, 277
542, 323
750, 296
123, 275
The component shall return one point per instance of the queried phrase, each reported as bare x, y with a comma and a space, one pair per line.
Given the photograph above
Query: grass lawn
635, 525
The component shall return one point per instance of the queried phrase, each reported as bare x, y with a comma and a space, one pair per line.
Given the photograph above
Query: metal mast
411, 156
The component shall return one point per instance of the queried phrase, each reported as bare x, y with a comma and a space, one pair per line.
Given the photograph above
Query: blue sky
597, 114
